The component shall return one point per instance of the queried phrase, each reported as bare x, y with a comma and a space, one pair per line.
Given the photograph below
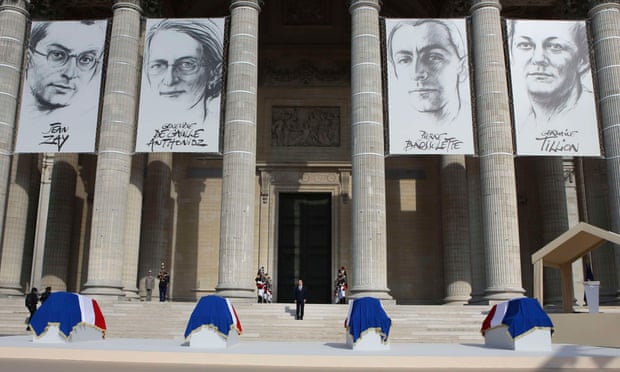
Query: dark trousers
299, 309
162, 293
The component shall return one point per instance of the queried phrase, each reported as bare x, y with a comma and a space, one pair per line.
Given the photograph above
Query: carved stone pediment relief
305, 126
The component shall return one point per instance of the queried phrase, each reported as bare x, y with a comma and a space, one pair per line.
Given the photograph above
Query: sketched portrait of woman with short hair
181, 86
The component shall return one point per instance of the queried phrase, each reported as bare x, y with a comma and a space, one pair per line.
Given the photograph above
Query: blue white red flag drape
215, 312
520, 315
68, 310
367, 313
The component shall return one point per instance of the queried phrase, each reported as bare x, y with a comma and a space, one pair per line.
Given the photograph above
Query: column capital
20, 6
256, 4
361, 3
600, 5
479, 4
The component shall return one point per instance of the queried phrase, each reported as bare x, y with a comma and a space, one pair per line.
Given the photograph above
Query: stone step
271, 322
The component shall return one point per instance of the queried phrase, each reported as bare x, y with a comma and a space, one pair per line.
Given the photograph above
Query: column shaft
605, 23
132, 227
156, 243
59, 232
235, 272
16, 250
476, 242
554, 216
369, 256
497, 173
13, 20
456, 254
116, 143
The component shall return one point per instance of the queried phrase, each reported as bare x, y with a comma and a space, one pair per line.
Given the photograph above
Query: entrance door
304, 245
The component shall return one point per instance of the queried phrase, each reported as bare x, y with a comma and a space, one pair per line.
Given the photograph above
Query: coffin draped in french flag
213, 323
368, 325
67, 316
518, 324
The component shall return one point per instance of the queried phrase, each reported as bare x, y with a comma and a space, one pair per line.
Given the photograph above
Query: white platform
369, 341
208, 338
534, 340
80, 333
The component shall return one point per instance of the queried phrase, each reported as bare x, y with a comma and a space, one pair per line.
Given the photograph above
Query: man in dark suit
301, 296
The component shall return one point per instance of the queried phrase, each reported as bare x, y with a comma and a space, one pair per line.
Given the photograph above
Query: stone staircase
273, 322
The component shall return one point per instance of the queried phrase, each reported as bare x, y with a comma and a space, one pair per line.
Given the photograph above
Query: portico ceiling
73, 9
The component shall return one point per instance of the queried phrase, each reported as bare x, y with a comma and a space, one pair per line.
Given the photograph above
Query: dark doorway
304, 245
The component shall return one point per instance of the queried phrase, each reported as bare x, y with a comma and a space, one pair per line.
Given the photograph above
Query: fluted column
116, 142
132, 227
497, 172
156, 242
476, 242
38, 252
13, 21
14, 244
236, 266
454, 218
369, 255
605, 27
554, 215
58, 237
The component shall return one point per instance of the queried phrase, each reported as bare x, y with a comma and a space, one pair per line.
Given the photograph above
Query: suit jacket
301, 294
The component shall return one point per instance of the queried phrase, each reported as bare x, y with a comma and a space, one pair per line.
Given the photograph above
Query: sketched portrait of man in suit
61, 92
429, 84
555, 110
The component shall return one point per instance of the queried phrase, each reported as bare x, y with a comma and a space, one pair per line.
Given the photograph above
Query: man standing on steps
301, 296
164, 282
149, 282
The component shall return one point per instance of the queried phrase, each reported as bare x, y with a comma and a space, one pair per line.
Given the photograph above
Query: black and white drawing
181, 86
554, 107
429, 104
60, 98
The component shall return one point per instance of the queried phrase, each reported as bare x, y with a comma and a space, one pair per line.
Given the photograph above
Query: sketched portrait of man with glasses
183, 72
63, 67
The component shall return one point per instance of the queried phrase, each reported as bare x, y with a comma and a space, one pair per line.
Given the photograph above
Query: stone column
132, 227
13, 20
45, 186
476, 243
369, 255
236, 269
454, 218
14, 244
554, 216
59, 230
116, 144
156, 243
605, 27
497, 172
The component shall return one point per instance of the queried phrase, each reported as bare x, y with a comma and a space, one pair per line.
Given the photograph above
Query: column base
457, 300
383, 295
7, 290
103, 291
495, 295
237, 294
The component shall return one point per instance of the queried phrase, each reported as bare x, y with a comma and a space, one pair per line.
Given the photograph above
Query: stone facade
305, 91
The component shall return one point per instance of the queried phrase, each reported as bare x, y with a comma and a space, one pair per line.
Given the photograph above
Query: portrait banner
428, 87
61, 90
182, 78
553, 100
